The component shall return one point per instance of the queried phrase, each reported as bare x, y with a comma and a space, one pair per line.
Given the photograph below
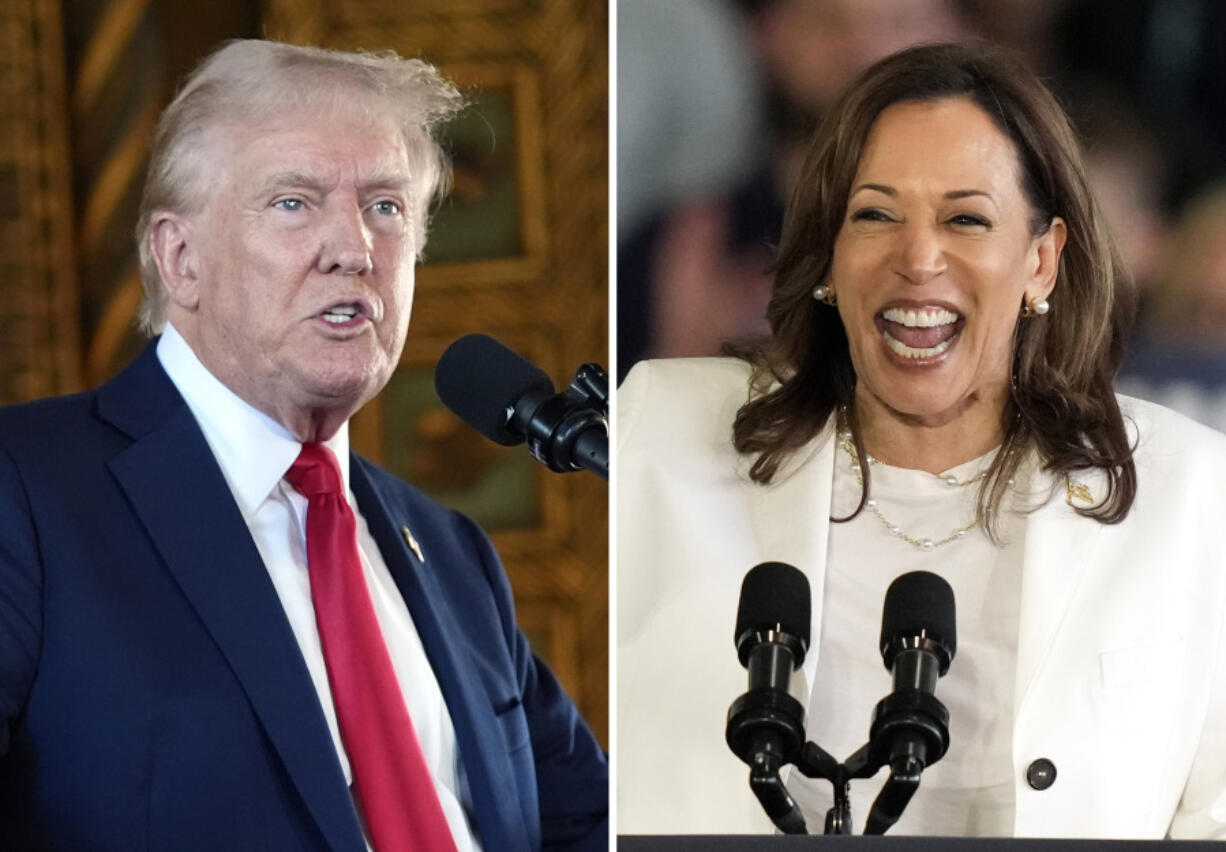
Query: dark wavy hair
1062, 403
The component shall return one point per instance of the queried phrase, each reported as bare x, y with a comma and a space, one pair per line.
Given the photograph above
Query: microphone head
480, 380
918, 604
775, 597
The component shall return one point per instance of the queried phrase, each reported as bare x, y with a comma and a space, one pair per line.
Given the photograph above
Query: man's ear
174, 250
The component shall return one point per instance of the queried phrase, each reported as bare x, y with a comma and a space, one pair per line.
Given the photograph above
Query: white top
969, 792
254, 453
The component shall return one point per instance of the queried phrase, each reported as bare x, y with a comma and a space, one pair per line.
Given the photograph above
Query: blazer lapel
779, 511
1058, 546
491, 782
179, 494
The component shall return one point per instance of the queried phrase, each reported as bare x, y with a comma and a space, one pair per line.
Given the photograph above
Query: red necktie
390, 776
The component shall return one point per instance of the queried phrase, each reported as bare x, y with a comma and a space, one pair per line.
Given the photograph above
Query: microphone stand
569, 431
910, 731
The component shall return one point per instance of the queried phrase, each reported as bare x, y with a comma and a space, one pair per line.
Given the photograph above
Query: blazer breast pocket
1151, 666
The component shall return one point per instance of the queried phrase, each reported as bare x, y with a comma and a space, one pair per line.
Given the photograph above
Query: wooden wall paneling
38, 326
114, 111
124, 59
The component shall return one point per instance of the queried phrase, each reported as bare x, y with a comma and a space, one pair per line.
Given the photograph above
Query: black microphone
772, 624
766, 724
910, 729
510, 400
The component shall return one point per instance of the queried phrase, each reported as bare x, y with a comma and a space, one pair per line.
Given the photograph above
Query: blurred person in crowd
1027, 26
1178, 357
936, 394
1127, 174
1170, 56
698, 269
690, 121
687, 126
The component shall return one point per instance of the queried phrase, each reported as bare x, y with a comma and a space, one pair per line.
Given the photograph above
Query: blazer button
1041, 774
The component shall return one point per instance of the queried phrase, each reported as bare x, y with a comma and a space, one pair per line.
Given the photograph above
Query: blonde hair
245, 81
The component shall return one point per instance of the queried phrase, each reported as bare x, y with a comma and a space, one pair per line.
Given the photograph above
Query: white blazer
1121, 676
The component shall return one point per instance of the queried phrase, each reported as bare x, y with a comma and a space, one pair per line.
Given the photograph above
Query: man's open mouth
340, 314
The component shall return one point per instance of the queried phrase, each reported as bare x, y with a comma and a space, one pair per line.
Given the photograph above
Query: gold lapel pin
412, 543
1077, 491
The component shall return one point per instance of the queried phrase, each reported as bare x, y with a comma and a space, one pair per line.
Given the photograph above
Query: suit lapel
180, 496
490, 781
791, 524
1059, 544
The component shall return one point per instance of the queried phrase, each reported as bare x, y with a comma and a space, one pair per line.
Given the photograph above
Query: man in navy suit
163, 684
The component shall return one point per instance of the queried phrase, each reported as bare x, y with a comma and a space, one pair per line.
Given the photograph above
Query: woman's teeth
908, 352
920, 319
919, 334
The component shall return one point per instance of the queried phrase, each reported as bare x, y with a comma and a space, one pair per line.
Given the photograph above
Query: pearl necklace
924, 544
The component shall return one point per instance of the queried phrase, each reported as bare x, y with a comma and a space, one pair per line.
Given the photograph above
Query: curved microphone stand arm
774, 797
895, 794
910, 731
765, 730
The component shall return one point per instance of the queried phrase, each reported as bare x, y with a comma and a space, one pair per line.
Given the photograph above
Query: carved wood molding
39, 353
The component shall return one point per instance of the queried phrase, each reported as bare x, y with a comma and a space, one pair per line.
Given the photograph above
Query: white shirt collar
253, 450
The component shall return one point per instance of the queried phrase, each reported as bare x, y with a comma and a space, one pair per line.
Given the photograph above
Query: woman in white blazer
936, 394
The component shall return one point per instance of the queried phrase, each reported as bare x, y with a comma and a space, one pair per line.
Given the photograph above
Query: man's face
304, 257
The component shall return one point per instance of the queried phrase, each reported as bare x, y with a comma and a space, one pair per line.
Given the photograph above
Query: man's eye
387, 208
291, 205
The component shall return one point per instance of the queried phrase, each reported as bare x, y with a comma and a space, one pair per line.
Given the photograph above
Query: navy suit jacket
152, 694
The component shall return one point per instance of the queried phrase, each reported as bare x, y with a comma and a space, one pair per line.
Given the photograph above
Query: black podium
818, 843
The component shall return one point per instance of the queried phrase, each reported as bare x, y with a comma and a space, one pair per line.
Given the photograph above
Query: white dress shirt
254, 453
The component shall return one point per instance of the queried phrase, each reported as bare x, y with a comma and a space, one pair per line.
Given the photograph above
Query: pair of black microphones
511, 401
910, 726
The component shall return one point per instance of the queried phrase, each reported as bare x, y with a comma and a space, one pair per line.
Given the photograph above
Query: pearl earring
825, 294
1035, 307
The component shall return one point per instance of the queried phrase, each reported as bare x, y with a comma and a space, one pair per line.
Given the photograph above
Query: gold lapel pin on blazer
412, 543
1077, 491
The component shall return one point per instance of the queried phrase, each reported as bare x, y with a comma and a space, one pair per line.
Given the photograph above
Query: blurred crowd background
716, 99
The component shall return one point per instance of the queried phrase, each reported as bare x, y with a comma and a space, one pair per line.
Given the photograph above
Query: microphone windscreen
774, 593
479, 379
919, 601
